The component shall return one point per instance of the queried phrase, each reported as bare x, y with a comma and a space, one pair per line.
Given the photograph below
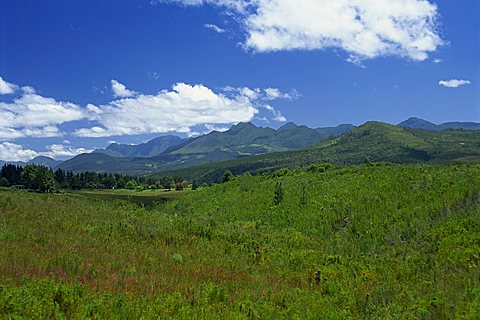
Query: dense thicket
43, 179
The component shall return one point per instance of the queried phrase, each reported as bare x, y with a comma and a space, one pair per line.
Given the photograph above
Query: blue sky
76, 75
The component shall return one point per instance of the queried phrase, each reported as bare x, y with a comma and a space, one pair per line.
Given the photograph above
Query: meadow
361, 242
147, 198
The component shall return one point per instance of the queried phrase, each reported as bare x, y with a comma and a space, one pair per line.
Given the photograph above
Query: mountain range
241, 140
417, 123
373, 141
246, 144
40, 160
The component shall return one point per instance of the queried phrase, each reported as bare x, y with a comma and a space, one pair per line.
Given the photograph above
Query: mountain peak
417, 123
287, 126
242, 126
44, 161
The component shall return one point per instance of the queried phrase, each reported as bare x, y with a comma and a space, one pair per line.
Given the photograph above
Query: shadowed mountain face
374, 141
40, 160
44, 161
170, 152
417, 123
149, 149
209, 156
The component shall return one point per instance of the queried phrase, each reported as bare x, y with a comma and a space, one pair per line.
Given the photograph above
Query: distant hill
247, 139
99, 162
40, 160
335, 131
241, 140
151, 148
375, 141
417, 123
17, 163
44, 161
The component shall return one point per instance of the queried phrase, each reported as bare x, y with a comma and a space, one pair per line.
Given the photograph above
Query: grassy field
147, 198
366, 242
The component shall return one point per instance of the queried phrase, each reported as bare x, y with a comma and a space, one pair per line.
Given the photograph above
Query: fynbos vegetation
368, 242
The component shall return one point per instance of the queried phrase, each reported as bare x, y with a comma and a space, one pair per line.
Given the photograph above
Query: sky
78, 75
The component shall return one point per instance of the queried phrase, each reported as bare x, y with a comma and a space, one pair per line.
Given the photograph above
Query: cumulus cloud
365, 29
175, 110
213, 27
32, 115
60, 150
454, 83
6, 87
168, 111
277, 115
274, 94
15, 152
120, 91
211, 127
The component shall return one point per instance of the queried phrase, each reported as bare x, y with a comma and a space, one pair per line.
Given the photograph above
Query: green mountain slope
417, 123
149, 149
246, 139
374, 141
44, 161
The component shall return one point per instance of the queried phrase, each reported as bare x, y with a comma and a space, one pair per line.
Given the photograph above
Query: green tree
278, 194
132, 184
4, 182
29, 177
38, 178
303, 196
168, 182
44, 179
194, 185
227, 176
178, 186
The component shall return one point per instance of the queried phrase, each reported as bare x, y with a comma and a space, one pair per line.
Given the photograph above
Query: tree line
43, 179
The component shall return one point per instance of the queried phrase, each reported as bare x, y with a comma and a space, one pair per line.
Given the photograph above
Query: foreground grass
393, 242
147, 198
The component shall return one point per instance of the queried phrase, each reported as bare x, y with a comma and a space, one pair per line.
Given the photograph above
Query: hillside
417, 123
99, 162
45, 161
250, 148
384, 242
241, 140
375, 141
247, 139
144, 150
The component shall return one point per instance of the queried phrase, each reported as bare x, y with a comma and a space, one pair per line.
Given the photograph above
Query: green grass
147, 198
368, 242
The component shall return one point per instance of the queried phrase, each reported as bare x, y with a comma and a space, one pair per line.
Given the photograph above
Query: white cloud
15, 152
437, 60
365, 29
6, 87
176, 110
274, 94
211, 127
32, 115
168, 111
454, 83
59, 150
120, 91
277, 114
213, 27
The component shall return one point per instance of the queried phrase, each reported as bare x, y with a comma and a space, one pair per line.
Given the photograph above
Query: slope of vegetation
375, 141
367, 242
